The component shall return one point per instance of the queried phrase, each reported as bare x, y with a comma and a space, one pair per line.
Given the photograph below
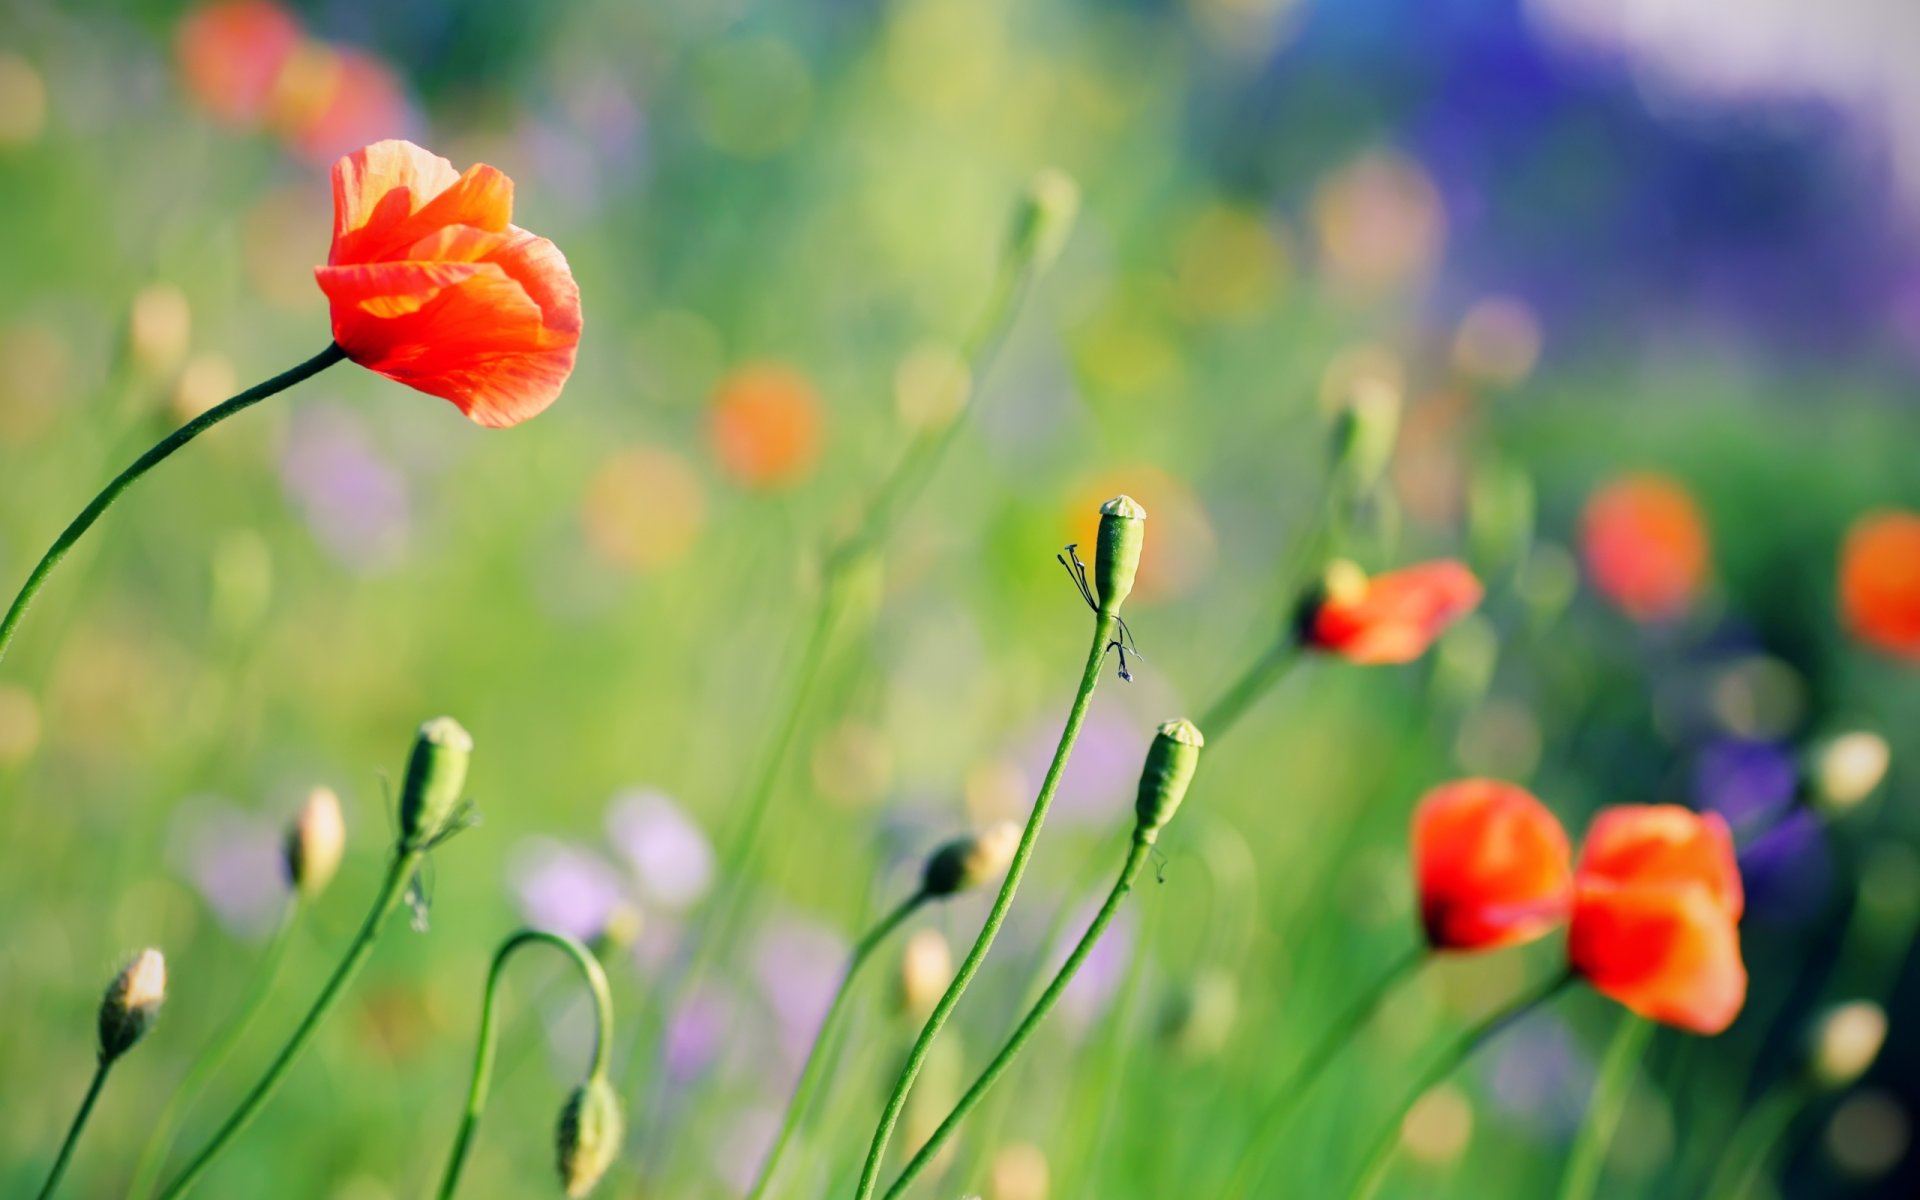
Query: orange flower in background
1645, 545
1182, 548
432, 286
1391, 617
330, 99
1656, 915
1880, 582
231, 55
765, 424
1493, 865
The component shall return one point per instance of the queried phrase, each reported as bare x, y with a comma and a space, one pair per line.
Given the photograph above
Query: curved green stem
215, 1054
1307, 1073
73, 1131
809, 1082
1381, 1154
405, 859
1103, 629
1223, 714
146, 462
1129, 870
483, 1055
1754, 1140
1589, 1156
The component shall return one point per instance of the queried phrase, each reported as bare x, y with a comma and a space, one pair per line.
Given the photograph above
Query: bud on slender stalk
315, 842
1843, 1043
1044, 219
1364, 432
1116, 553
132, 1002
436, 774
1171, 761
618, 933
967, 862
589, 1136
1848, 768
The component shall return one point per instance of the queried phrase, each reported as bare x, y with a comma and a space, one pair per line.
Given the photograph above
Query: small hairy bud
436, 775
1844, 1041
1171, 761
132, 1002
1044, 219
967, 862
1116, 551
315, 841
589, 1136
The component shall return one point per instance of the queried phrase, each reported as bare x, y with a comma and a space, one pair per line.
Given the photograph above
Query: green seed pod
436, 775
315, 842
1171, 761
589, 1136
1044, 220
1364, 431
1116, 551
132, 1002
967, 862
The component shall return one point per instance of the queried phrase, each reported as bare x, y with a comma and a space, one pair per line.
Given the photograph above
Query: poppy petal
1670, 954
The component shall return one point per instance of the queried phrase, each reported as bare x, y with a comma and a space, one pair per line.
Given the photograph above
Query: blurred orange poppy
765, 424
1391, 617
1880, 582
1656, 915
231, 55
432, 286
331, 99
1493, 865
1645, 545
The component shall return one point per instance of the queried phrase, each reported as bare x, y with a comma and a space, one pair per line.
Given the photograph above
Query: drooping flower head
1391, 617
1880, 582
433, 286
1645, 546
1656, 915
1493, 864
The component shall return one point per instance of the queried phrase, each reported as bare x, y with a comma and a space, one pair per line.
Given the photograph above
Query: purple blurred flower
1788, 869
1539, 1075
1097, 786
565, 889
353, 499
1105, 966
233, 858
697, 1031
671, 857
798, 966
1748, 783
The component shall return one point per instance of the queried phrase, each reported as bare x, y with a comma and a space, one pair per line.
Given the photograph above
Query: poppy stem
1307, 1072
489, 1038
216, 1053
1380, 1156
146, 462
1129, 871
1589, 1155
406, 858
809, 1082
1103, 629
1259, 678
79, 1123
1756, 1140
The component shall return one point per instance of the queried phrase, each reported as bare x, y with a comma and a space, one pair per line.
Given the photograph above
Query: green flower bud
1843, 1042
315, 842
132, 1002
618, 933
588, 1139
1163, 781
967, 862
1044, 220
1116, 551
1364, 431
436, 774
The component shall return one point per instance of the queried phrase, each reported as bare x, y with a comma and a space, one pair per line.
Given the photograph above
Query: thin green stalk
483, 1056
146, 462
1380, 1156
1103, 629
1755, 1138
1258, 679
146, 1173
1307, 1072
810, 1075
73, 1131
1129, 870
406, 858
1589, 1156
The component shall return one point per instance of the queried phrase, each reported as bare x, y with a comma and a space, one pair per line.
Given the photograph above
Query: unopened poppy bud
132, 1002
1364, 431
1163, 781
618, 933
436, 774
1116, 551
315, 842
588, 1139
1848, 768
1843, 1043
1044, 219
967, 862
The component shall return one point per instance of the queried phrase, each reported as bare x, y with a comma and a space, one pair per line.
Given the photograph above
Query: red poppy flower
1493, 864
765, 424
1645, 546
432, 286
1656, 915
1880, 582
231, 55
1392, 617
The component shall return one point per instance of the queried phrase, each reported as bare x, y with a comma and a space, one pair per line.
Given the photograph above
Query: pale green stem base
1588, 1159
1756, 1139
1223, 714
1103, 629
482, 1080
73, 1131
